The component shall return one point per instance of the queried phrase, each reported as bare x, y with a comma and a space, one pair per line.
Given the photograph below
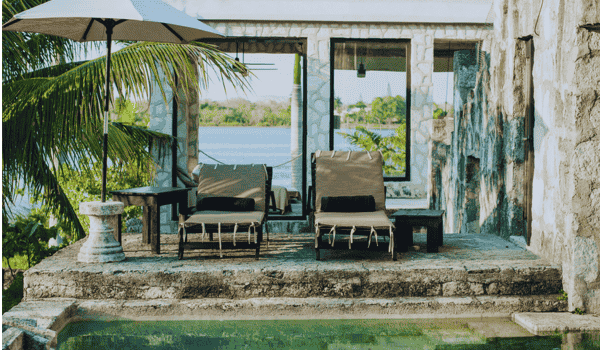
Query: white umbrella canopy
142, 20
107, 20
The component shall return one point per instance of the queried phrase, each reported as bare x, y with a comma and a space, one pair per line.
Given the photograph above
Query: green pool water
310, 334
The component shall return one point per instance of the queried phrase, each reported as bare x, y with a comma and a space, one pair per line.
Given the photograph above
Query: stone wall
566, 74
488, 141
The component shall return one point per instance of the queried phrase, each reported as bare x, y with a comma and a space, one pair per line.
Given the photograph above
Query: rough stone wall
566, 178
566, 221
585, 173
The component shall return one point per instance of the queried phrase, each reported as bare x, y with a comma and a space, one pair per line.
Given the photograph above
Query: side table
150, 198
405, 219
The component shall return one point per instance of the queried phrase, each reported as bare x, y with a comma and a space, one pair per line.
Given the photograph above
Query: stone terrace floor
480, 275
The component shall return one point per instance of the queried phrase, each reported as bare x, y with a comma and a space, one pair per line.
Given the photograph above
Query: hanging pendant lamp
235, 68
362, 71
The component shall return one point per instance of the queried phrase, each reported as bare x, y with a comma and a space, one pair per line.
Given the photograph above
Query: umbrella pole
109, 29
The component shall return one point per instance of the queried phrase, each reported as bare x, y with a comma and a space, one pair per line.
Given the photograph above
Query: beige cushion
242, 180
226, 217
375, 219
349, 174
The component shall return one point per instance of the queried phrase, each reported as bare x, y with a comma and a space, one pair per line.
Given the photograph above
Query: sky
278, 83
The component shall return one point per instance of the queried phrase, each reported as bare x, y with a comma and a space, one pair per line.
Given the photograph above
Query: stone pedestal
101, 245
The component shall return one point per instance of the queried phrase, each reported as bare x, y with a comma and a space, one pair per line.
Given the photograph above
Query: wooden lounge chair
231, 198
349, 198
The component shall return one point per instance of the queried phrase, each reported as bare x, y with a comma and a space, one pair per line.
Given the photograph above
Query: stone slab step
293, 308
131, 280
557, 322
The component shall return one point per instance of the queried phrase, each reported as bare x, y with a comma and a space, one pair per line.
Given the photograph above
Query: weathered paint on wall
489, 135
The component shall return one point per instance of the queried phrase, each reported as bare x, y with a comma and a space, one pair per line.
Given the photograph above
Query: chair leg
180, 253
258, 240
317, 249
395, 248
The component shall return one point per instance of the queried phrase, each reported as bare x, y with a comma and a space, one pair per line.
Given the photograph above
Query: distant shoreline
244, 126
342, 126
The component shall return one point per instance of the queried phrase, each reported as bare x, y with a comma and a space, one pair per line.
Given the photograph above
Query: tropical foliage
389, 110
240, 112
27, 237
392, 147
52, 112
131, 113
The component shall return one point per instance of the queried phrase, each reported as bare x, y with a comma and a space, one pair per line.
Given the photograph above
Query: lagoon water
269, 145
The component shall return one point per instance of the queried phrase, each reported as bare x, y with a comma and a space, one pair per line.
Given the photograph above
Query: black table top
418, 212
149, 191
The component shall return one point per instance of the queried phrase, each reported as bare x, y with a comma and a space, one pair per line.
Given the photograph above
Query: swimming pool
311, 334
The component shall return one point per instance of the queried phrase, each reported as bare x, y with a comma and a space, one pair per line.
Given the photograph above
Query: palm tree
55, 110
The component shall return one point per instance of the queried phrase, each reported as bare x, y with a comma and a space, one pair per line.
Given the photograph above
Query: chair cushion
344, 173
240, 180
225, 203
376, 219
226, 217
348, 204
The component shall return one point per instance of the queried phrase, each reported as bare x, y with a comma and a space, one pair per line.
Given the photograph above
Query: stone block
549, 323
13, 339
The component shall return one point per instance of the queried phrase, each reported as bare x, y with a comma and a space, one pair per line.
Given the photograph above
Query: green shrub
393, 147
14, 294
86, 185
28, 237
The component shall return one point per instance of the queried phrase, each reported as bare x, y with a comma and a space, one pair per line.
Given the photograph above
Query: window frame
407, 42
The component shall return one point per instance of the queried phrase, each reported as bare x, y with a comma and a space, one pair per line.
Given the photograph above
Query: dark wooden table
405, 219
150, 198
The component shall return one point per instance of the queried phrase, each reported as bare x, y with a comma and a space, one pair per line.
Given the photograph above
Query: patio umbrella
107, 20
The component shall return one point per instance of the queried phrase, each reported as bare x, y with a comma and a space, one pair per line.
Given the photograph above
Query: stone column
420, 112
318, 96
101, 245
296, 136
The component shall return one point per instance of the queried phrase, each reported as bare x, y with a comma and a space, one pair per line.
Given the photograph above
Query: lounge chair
230, 198
349, 198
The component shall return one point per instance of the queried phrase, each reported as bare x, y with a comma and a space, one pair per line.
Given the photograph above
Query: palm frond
58, 112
